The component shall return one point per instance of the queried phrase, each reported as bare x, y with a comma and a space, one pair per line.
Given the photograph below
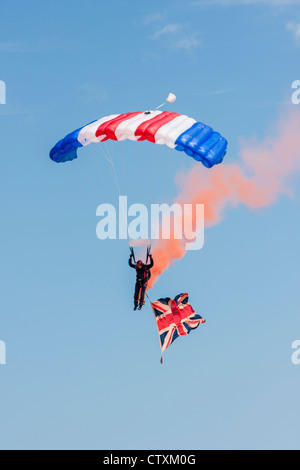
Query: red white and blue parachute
177, 131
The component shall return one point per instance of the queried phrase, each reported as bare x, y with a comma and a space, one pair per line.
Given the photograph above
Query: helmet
139, 263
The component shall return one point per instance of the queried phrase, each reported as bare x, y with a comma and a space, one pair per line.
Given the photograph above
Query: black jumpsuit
142, 277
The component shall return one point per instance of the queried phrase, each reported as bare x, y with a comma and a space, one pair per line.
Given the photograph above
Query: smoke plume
264, 173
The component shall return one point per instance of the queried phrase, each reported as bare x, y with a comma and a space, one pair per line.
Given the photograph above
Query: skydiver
143, 275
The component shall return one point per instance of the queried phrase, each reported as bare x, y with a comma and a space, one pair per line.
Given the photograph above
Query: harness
145, 276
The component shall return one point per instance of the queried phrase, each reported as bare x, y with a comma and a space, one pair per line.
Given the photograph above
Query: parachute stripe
66, 148
208, 144
127, 129
141, 131
190, 144
181, 125
203, 144
108, 128
218, 152
87, 134
186, 137
163, 135
177, 131
155, 124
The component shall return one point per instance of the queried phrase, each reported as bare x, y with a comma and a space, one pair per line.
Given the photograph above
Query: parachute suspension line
132, 252
117, 182
99, 149
89, 179
97, 160
106, 154
160, 106
113, 169
148, 253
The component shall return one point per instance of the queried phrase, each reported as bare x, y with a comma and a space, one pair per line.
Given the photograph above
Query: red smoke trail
266, 168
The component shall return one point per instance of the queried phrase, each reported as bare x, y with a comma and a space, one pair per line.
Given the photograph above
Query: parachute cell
177, 131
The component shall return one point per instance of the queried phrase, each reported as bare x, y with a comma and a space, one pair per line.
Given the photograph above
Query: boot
135, 305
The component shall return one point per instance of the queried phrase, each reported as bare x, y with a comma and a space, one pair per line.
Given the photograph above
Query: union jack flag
174, 318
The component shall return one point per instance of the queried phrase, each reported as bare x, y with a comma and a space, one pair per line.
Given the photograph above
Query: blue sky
82, 368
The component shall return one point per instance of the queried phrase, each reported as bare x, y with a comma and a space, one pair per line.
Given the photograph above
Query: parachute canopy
177, 131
